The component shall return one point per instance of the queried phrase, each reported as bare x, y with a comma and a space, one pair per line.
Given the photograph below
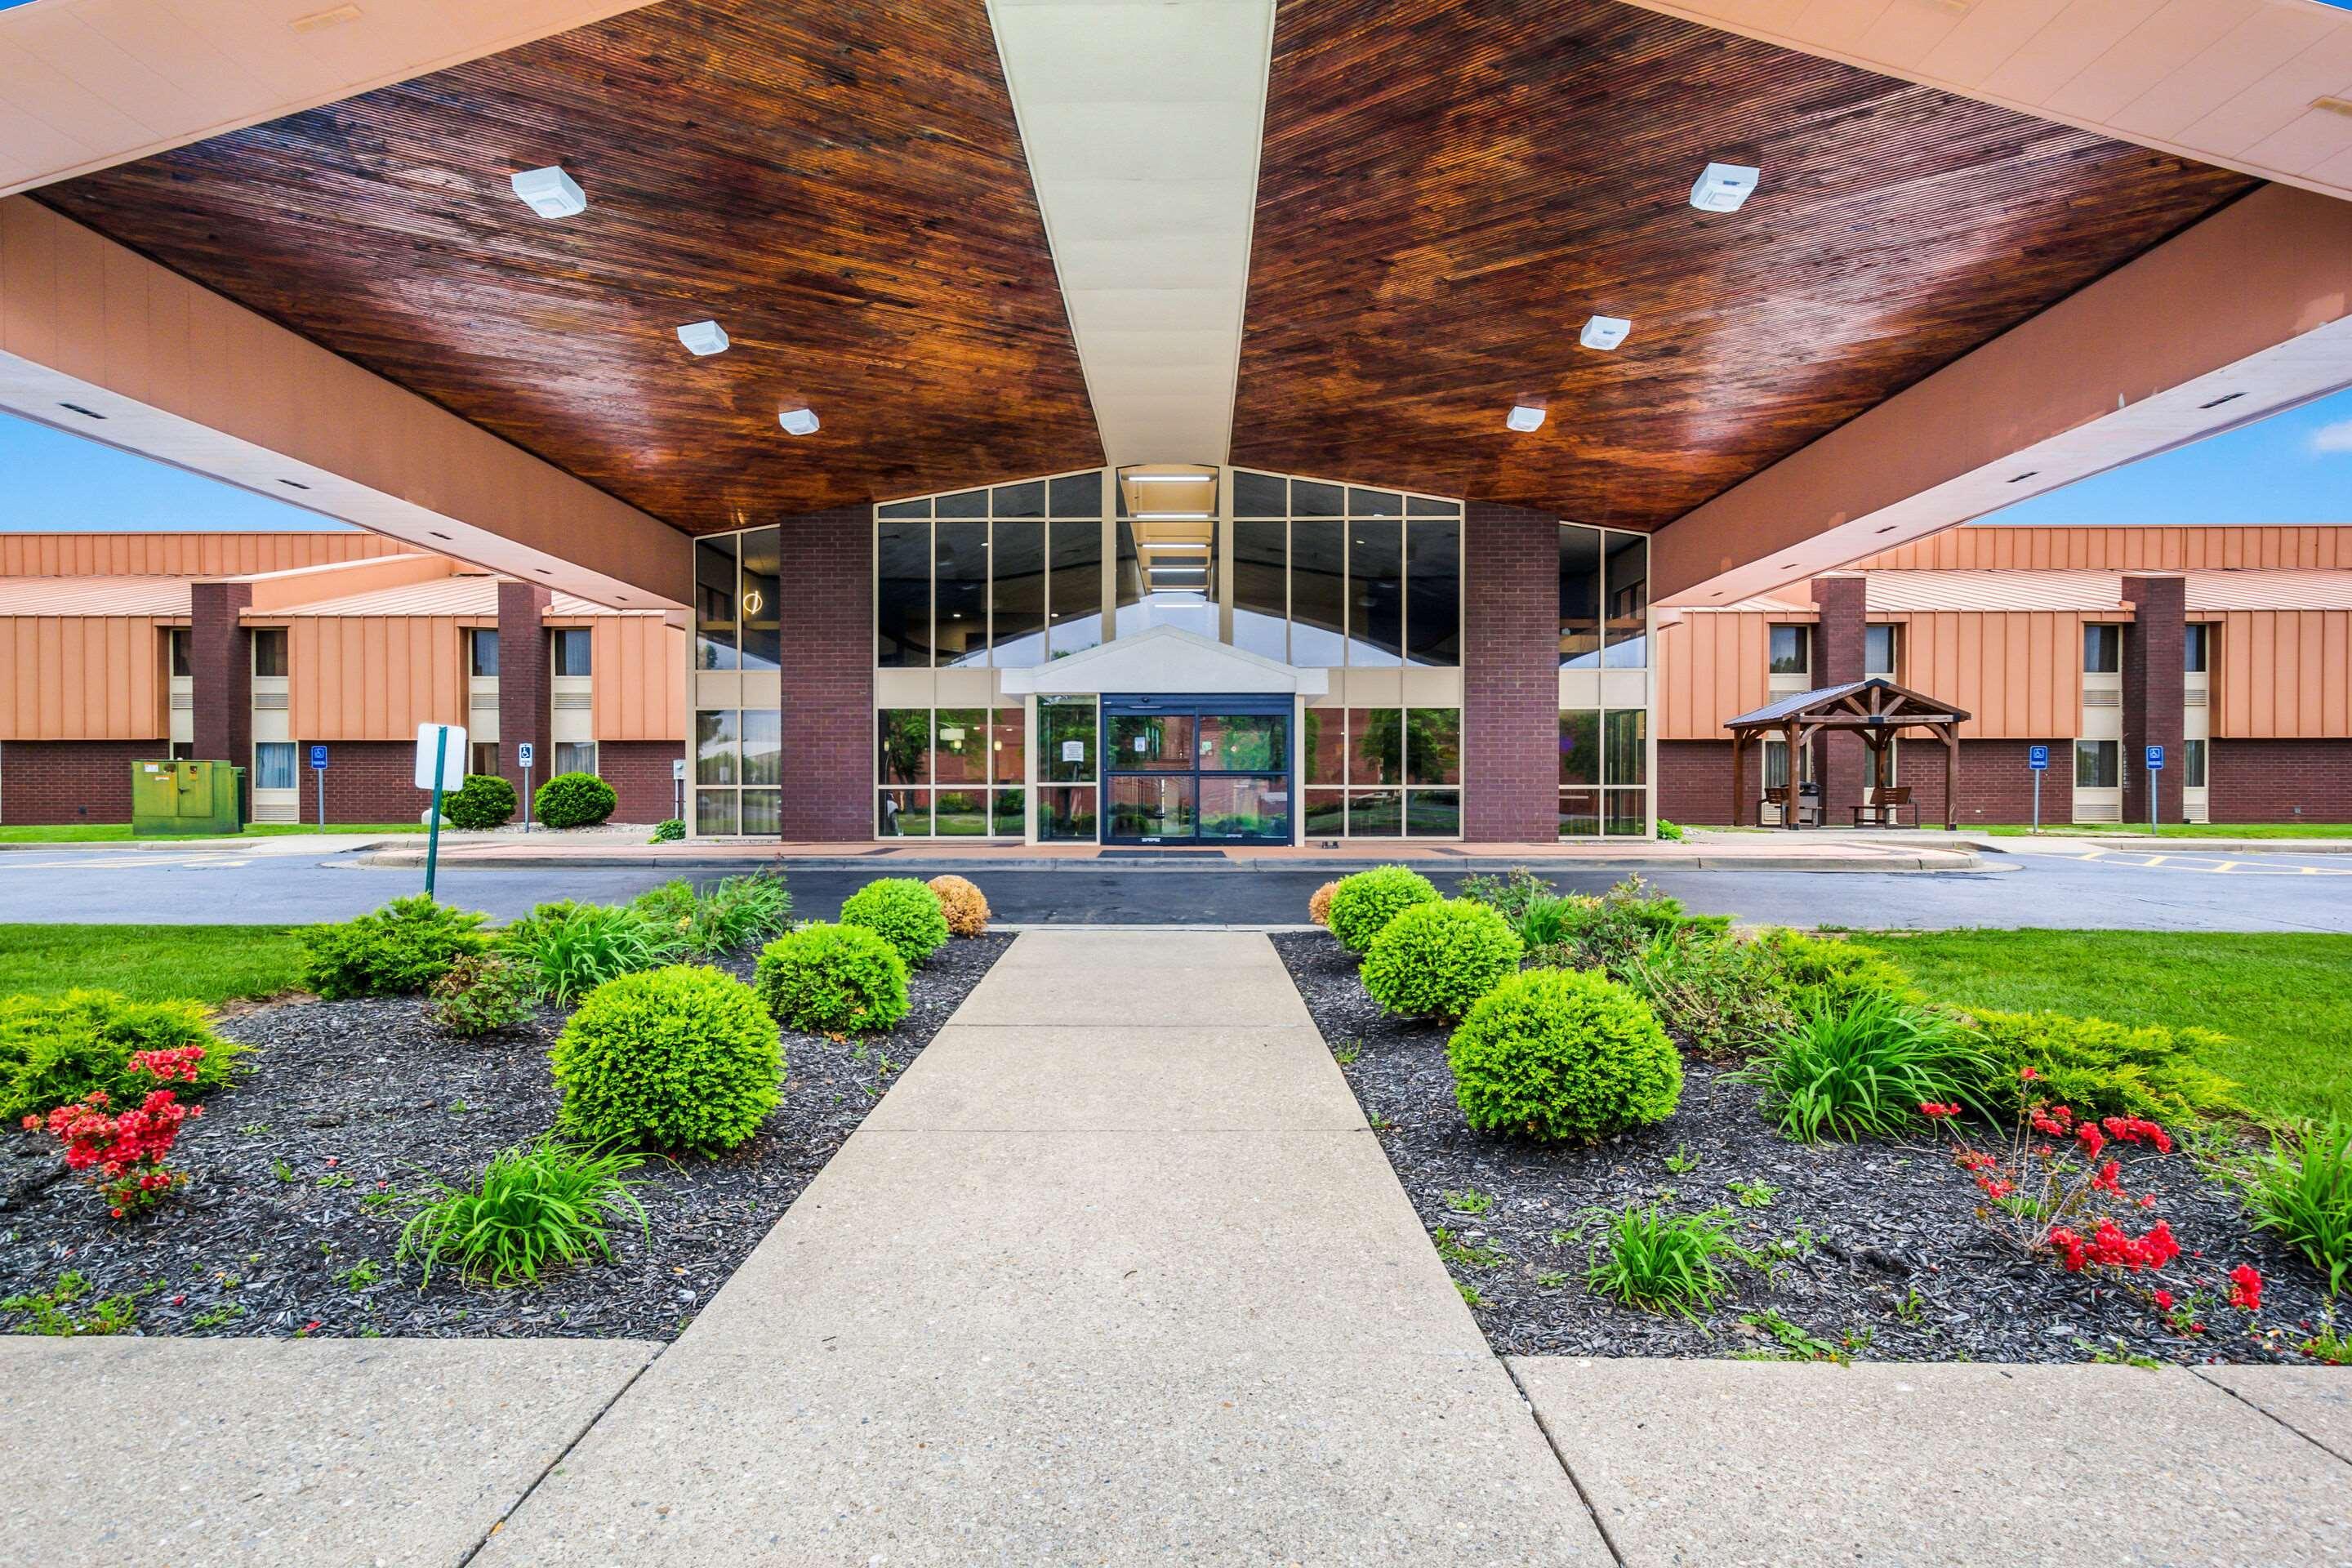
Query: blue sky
2296, 467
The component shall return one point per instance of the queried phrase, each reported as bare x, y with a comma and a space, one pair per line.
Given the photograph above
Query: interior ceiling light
1604, 331
1523, 418
798, 421
1168, 478
703, 338
1725, 187
1172, 517
551, 193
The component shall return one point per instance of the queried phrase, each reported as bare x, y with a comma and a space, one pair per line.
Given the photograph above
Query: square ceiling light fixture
1523, 418
1604, 331
798, 421
702, 338
551, 193
1725, 187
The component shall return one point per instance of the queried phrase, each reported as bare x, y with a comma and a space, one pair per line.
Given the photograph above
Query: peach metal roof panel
165, 596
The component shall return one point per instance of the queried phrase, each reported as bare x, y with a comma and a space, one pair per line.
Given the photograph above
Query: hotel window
269, 661
574, 756
949, 772
485, 757
273, 763
1604, 769
1604, 598
571, 650
2103, 648
180, 652
1330, 575
1878, 651
715, 627
735, 770
2192, 765
1004, 577
2095, 765
1382, 773
2196, 649
482, 654
1791, 651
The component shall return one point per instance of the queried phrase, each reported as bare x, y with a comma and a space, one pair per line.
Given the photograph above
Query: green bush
736, 913
541, 1202
485, 801
685, 1057
1815, 971
1607, 932
1669, 832
901, 911
669, 830
568, 950
2302, 1193
573, 800
480, 994
2099, 1068
1862, 1069
1667, 1263
399, 949
1706, 990
832, 980
1563, 1055
1438, 959
56, 1049
1362, 905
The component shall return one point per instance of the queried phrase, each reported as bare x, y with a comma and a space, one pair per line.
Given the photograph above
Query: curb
1929, 861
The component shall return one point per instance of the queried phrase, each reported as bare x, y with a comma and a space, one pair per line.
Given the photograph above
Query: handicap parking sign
319, 758
2037, 757
2155, 758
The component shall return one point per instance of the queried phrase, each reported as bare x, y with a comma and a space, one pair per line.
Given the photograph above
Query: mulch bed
346, 1101
1889, 1260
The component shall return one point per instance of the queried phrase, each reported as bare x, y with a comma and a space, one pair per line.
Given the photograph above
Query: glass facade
986, 579
949, 772
1340, 576
1381, 773
1604, 628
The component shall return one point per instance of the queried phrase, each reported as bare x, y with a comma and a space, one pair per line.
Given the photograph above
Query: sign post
677, 786
2037, 758
523, 753
2155, 766
440, 765
319, 769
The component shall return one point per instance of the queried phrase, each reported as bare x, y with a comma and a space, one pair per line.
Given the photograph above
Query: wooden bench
1809, 805
1883, 806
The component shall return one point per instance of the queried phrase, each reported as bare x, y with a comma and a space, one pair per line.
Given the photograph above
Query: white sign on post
453, 755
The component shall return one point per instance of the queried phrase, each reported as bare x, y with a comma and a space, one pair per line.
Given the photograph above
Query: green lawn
2185, 829
2285, 999
120, 832
205, 964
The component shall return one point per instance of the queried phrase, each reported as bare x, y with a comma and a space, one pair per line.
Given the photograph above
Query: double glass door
1197, 770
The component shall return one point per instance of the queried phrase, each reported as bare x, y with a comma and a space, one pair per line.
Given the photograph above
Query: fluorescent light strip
1167, 479
1172, 517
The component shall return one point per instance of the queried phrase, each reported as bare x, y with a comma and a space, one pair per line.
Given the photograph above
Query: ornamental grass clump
1362, 905
1864, 1070
734, 912
1563, 1055
2301, 1191
1666, 1263
683, 1058
537, 1204
1318, 903
1577, 933
54, 1050
568, 950
1437, 960
901, 911
963, 904
832, 980
398, 950
2103, 1068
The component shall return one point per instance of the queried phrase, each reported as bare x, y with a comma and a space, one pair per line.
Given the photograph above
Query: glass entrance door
1196, 770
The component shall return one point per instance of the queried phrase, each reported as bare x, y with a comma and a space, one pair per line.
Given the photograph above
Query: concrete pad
2317, 1401
234, 1452
807, 1457
1244, 995
1000, 1078
1204, 1243
1096, 952
1739, 1463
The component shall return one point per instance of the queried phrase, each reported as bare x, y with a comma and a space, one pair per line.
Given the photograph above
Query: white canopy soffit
1164, 661
1141, 121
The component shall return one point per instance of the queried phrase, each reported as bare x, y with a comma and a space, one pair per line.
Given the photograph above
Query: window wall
1329, 574
1069, 765
1604, 772
1004, 578
1605, 627
1604, 598
1381, 773
737, 771
949, 772
737, 615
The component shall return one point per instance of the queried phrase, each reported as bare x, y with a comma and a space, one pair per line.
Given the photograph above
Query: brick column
524, 692
1510, 676
220, 667
827, 658
2152, 692
1840, 762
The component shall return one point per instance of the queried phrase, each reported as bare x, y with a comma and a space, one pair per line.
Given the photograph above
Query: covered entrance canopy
1877, 709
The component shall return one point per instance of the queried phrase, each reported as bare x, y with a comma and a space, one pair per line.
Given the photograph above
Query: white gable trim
1164, 661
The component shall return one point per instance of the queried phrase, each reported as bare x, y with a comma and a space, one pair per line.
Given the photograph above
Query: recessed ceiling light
542, 572
550, 192
85, 413
1604, 331
1725, 187
703, 338
798, 421
1523, 418
1172, 517
437, 533
1890, 528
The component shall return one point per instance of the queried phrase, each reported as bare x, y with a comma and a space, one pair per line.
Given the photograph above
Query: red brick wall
220, 666
367, 782
524, 690
1510, 676
828, 678
47, 782
2276, 781
640, 773
1995, 785
1842, 761
2152, 682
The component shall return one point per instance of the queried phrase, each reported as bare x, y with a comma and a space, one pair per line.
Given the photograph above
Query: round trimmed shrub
963, 904
1362, 905
1563, 1055
1318, 903
486, 801
1439, 959
684, 1058
832, 980
901, 911
573, 800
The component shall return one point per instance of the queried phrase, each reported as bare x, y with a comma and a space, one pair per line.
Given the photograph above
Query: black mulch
303, 1173
1882, 1256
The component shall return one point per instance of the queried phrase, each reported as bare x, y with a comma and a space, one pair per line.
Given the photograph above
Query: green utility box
186, 797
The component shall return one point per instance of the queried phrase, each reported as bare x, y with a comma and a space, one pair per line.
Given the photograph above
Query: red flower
1937, 1112
2028, 1074
2246, 1287
2089, 1137
2164, 1300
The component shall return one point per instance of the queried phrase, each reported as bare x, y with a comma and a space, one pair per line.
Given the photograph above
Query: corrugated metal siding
2018, 673
640, 679
2283, 674
2310, 547
182, 554
1898, 591
82, 677
1711, 669
375, 678
166, 596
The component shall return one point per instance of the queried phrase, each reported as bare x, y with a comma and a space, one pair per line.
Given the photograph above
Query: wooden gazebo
1877, 709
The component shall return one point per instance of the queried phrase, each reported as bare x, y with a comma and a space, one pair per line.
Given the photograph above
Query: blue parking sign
2155, 758
319, 758
2037, 757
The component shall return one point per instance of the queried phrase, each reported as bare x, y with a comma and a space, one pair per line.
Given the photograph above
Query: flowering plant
126, 1150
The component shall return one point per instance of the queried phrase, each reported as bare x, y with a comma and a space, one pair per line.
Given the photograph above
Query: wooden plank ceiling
840, 186
1448, 191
